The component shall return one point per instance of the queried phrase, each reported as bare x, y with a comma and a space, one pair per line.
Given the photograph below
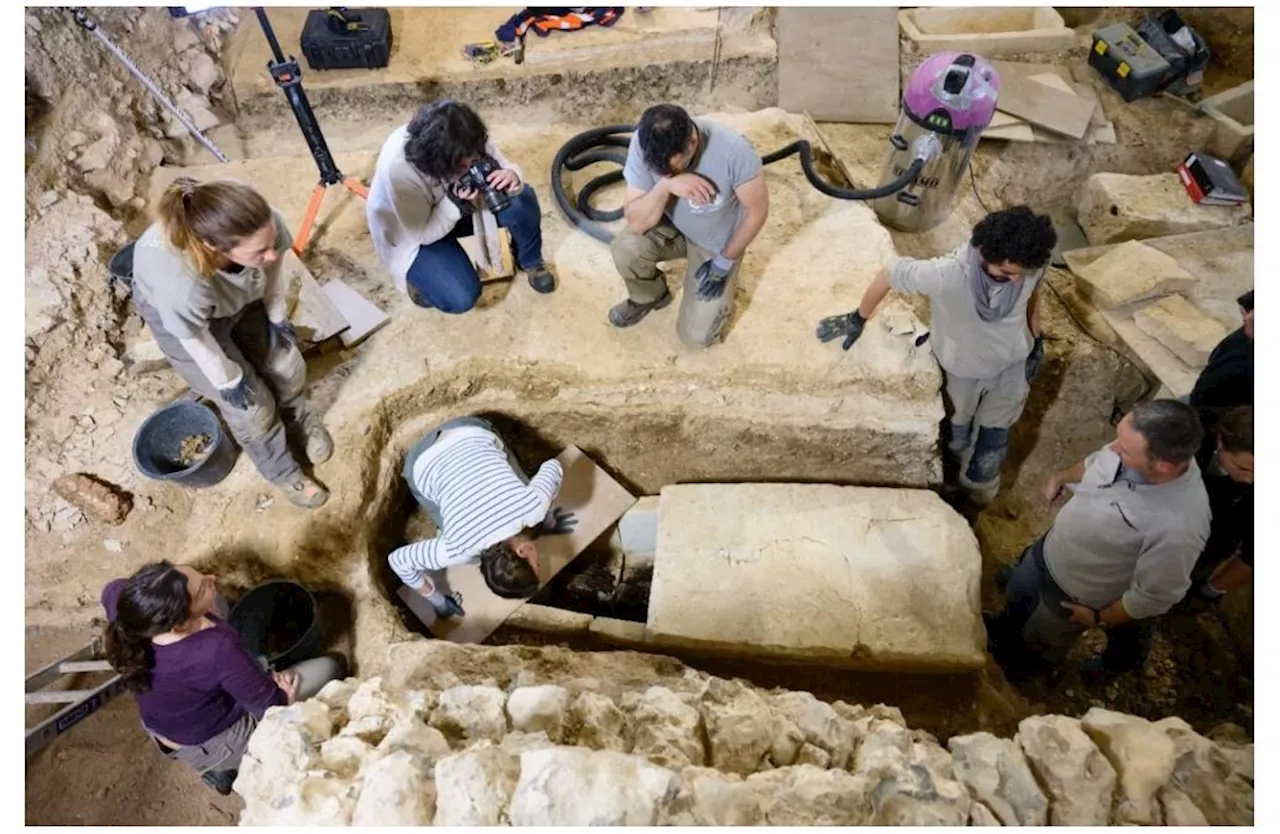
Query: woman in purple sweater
199, 693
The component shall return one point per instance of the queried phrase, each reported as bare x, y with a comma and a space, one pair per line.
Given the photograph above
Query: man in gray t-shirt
985, 308
695, 189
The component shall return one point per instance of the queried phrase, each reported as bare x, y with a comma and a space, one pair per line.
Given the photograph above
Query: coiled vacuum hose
598, 144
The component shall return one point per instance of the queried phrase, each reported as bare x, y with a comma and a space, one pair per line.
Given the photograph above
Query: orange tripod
288, 77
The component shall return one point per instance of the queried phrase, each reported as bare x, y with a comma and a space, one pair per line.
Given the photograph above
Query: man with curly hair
985, 307
423, 200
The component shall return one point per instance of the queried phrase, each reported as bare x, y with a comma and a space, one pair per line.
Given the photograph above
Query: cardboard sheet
596, 499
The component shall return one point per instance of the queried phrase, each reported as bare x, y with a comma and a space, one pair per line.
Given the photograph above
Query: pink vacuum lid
953, 91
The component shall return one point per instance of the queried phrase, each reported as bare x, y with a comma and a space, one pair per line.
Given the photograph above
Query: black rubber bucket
157, 446
279, 620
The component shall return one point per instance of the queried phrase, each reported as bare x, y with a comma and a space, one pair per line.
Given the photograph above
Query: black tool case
364, 43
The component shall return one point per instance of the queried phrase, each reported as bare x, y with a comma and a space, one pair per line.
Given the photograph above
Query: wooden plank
595, 499
1044, 106
365, 316
840, 64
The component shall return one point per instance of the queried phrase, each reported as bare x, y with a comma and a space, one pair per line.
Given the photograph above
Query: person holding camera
439, 178
695, 190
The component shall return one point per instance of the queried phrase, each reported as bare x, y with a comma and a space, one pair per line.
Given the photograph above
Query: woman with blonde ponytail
208, 282
199, 693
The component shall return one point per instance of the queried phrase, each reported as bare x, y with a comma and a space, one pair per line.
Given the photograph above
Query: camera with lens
477, 179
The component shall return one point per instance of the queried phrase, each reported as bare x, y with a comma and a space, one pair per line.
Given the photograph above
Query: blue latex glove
560, 522
238, 397
1035, 358
712, 277
848, 325
282, 332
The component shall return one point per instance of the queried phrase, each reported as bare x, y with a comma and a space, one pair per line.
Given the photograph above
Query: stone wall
707, 751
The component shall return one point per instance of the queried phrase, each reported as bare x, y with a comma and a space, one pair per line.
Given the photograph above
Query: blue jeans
442, 276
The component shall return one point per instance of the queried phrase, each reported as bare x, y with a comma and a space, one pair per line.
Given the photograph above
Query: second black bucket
279, 620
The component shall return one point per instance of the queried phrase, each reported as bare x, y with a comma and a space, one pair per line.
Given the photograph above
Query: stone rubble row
364, 753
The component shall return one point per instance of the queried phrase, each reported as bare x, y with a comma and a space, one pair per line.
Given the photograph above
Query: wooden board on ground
506, 269
596, 499
1043, 106
839, 63
364, 316
315, 316
1222, 260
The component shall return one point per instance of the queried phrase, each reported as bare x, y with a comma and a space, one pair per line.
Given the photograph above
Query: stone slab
1131, 272
991, 31
852, 576
839, 64
588, 492
1178, 325
1112, 208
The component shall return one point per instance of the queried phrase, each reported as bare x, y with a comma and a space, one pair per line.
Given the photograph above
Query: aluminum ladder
80, 703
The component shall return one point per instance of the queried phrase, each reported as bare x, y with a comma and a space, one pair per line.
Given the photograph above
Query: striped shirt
482, 501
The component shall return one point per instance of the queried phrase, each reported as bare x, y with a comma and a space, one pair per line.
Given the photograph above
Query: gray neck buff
982, 286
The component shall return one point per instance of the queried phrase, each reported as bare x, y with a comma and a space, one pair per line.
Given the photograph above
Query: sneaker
542, 280
452, 606
220, 780
319, 443
305, 493
629, 312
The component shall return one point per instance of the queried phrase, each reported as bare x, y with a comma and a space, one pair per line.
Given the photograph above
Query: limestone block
710, 797
539, 709
371, 728
474, 787
319, 798
809, 795
1130, 272
600, 724
786, 741
344, 755
885, 745
1077, 778
913, 782
667, 729
1178, 809
1143, 756
516, 743
821, 726
288, 739
411, 735
1116, 207
471, 712
1180, 326
573, 786
336, 694
980, 814
875, 578
396, 790
1208, 777
739, 732
996, 773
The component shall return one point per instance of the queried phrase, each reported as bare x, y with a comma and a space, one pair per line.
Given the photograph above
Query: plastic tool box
341, 38
1132, 67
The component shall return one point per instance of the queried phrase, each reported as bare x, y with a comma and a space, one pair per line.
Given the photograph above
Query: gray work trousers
636, 256
980, 414
276, 373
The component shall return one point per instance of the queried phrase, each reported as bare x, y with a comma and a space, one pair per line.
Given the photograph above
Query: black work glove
283, 334
848, 325
560, 522
238, 397
711, 278
1035, 358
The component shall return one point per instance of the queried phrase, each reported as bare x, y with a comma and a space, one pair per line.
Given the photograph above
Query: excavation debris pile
582, 751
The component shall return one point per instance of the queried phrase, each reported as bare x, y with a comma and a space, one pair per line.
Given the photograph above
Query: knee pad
958, 436
988, 455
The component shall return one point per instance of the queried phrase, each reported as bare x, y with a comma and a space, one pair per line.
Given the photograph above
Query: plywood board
595, 499
315, 316
839, 63
364, 316
1044, 106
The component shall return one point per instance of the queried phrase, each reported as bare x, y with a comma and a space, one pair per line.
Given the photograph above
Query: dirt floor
83, 403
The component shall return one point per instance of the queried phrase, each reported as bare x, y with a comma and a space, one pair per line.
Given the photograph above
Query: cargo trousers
701, 322
981, 413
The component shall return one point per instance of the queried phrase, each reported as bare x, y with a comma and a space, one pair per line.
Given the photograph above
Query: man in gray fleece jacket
1120, 552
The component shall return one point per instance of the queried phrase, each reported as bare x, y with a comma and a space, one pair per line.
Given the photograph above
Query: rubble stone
563, 786
600, 724
1143, 756
666, 728
1076, 776
809, 795
397, 791
474, 787
471, 712
539, 709
996, 773
739, 733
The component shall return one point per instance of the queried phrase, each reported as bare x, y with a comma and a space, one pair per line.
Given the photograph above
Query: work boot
542, 280
305, 493
629, 312
317, 440
220, 780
